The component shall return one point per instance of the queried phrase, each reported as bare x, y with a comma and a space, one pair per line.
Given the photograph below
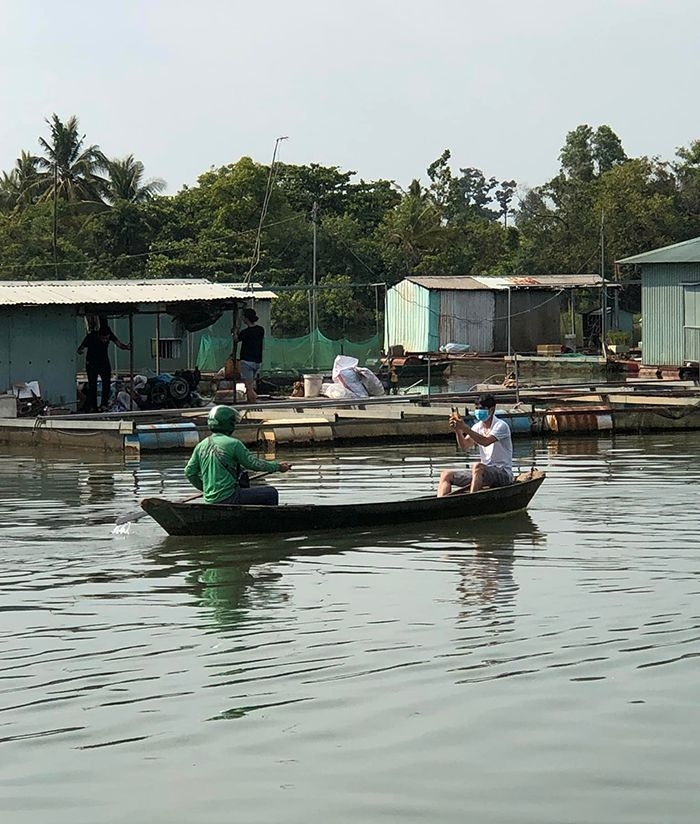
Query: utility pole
604, 294
314, 222
314, 302
55, 219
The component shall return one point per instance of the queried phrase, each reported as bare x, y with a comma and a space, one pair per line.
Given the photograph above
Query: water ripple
559, 645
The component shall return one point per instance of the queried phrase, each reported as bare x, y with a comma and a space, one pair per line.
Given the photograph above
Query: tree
304, 185
687, 172
504, 196
410, 230
20, 187
463, 198
587, 153
125, 181
607, 149
341, 313
70, 169
577, 155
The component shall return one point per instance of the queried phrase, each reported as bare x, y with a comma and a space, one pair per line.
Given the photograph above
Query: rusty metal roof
104, 292
511, 282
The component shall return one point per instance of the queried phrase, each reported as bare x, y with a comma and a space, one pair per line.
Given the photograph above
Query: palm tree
125, 181
70, 170
414, 226
22, 185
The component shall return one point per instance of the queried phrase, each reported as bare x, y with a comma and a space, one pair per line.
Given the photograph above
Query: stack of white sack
351, 380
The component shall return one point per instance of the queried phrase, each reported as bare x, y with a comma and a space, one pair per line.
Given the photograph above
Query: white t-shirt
499, 453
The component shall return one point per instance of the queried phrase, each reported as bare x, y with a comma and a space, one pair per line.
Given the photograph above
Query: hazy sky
378, 86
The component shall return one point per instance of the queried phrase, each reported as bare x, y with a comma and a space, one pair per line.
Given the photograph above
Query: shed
43, 322
489, 314
670, 303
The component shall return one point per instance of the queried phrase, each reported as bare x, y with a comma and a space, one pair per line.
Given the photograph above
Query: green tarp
312, 352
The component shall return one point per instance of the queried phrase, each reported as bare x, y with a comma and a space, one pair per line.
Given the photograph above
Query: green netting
213, 353
310, 352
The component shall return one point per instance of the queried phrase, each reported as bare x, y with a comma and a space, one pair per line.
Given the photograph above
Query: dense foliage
70, 212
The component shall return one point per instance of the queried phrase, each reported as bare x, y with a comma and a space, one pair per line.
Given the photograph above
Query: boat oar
130, 517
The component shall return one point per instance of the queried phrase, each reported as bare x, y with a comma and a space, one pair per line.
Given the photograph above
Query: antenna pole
255, 259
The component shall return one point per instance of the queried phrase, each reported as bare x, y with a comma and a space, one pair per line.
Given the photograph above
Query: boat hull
223, 519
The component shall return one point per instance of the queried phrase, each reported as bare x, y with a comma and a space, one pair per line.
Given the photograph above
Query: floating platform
581, 409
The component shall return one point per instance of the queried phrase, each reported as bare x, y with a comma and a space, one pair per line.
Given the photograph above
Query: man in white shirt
492, 437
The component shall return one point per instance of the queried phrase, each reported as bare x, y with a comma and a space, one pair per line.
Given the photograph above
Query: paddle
130, 517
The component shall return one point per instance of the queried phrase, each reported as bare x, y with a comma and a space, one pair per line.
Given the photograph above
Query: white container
312, 385
570, 342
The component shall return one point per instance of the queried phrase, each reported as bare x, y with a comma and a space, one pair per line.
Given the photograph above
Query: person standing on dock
218, 464
251, 340
97, 364
492, 437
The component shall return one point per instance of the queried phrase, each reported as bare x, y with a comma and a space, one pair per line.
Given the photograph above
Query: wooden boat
179, 518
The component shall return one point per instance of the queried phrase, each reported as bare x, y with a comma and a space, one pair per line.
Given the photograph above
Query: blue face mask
481, 414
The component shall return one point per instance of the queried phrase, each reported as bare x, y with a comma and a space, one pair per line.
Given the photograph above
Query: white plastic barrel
312, 385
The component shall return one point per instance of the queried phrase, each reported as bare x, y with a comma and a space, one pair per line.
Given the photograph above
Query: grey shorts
249, 370
493, 476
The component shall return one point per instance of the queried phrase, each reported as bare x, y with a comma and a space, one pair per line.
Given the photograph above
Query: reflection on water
487, 587
539, 667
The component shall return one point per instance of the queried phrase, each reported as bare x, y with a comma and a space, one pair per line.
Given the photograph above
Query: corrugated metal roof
104, 292
688, 251
512, 282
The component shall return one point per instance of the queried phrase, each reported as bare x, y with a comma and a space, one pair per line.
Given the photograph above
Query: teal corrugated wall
433, 322
39, 343
663, 311
411, 318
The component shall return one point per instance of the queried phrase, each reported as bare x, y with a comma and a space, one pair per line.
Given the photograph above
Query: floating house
670, 304
487, 314
43, 322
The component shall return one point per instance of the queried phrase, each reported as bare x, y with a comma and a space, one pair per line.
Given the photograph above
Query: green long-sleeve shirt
205, 471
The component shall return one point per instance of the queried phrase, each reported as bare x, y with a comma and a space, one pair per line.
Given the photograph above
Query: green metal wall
663, 312
412, 317
39, 343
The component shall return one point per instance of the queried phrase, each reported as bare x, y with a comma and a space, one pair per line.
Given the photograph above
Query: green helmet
223, 419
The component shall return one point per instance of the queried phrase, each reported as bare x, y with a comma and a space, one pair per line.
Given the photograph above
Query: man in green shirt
218, 461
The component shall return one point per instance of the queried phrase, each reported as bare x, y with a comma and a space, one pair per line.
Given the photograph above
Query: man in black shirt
97, 364
251, 355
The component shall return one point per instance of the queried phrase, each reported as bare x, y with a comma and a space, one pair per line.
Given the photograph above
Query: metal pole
55, 219
314, 304
157, 343
509, 345
376, 308
131, 352
234, 324
603, 291
573, 316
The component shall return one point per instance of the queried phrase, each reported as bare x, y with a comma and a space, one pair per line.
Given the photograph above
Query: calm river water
535, 668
